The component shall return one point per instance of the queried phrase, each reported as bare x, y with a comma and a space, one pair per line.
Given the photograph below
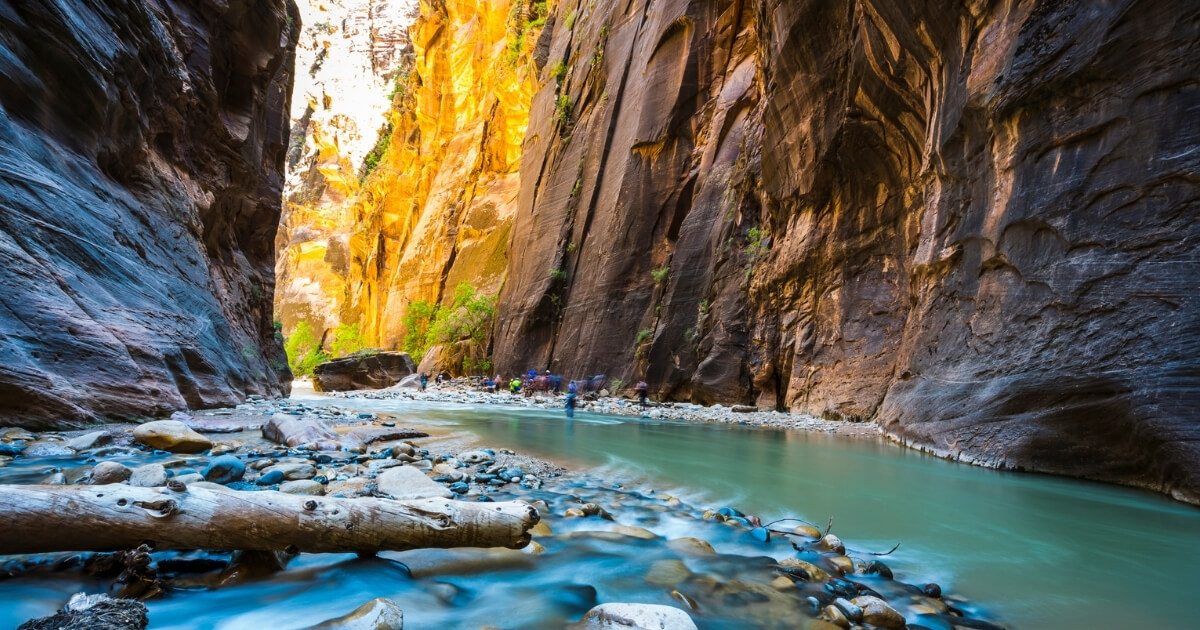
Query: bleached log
38, 519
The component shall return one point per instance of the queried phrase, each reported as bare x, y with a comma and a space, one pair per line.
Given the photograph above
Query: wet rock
169, 435
293, 431
619, 616
149, 476
89, 440
804, 570
352, 487
542, 528
877, 612
11, 449
449, 471
932, 589
876, 567
407, 482
303, 486
224, 469
743, 409
807, 531
109, 472
189, 478
459, 487
55, 479
291, 471
93, 612
667, 573
270, 478
475, 457
835, 616
371, 372
48, 449
852, 612
691, 546
635, 532
833, 543
842, 564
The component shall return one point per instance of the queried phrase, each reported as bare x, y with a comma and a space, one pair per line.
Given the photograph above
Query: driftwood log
39, 519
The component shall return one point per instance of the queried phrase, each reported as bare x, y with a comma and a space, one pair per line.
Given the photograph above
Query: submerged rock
93, 612
377, 614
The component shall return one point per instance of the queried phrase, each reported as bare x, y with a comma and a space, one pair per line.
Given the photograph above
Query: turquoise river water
1028, 551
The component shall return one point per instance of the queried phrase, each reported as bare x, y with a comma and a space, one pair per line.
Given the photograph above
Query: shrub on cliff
304, 350
468, 317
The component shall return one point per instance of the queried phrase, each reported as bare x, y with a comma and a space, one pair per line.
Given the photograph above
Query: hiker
571, 401
424, 380
499, 384
514, 386
438, 380
643, 391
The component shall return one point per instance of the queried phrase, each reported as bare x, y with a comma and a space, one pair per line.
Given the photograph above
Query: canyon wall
974, 224
430, 205
141, 165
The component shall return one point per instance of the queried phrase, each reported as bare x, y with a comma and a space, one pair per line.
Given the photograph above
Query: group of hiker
551, 383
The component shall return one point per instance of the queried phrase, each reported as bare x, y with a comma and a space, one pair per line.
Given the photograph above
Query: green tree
304, 350
347, 339
469, 316
416, 321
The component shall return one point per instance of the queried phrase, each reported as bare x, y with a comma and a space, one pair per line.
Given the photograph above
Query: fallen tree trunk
40, 519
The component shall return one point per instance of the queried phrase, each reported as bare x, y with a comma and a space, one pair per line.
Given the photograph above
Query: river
1035, 551
1029, 551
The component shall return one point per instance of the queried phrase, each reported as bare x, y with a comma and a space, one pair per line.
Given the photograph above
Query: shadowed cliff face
975, 224
141, 146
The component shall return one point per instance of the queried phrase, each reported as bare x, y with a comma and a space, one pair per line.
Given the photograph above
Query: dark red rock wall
975, 223
141, 152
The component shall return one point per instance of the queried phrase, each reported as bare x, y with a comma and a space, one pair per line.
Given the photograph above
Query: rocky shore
462, 391
676, 564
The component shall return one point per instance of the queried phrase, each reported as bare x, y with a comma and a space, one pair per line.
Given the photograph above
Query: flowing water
1029, 551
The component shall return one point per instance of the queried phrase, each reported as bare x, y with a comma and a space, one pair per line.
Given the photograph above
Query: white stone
619, 616
408, 482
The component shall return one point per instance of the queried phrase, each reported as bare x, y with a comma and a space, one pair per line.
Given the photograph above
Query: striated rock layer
141, 154
431, 204
973, 223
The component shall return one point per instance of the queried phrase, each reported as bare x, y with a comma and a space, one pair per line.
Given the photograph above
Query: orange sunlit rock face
436, 208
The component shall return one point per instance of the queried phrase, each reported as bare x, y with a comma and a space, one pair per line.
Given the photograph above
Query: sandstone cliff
433, 205
141, 154
973, 223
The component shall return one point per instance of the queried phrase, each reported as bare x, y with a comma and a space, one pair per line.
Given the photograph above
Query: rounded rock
224, 469
109, 472
171, 436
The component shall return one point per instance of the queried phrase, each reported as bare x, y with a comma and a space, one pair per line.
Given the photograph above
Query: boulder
450, 358
109, 472
375, 371
171, 435
377, 614
407, 482
298, 431
618, 616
